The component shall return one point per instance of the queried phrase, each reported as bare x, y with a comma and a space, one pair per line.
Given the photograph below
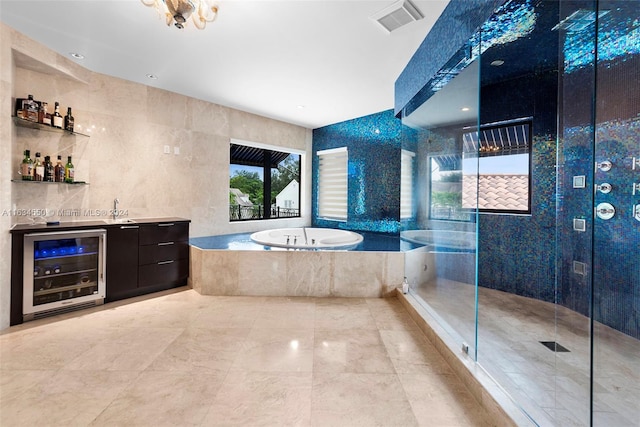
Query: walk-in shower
528, 139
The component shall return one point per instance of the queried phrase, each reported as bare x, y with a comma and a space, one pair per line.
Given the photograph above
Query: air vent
400, 13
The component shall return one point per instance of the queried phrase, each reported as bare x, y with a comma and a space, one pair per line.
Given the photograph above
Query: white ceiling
266, 57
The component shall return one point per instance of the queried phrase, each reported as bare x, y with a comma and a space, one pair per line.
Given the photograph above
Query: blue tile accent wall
456, 25
374, 145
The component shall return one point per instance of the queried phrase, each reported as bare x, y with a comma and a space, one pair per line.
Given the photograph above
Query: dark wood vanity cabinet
142, 256
146, 257
122, 262
163, 255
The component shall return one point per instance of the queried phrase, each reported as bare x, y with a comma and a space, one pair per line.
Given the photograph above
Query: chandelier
178, 11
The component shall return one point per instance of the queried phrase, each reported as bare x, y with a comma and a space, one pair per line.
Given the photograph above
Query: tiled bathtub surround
296, 273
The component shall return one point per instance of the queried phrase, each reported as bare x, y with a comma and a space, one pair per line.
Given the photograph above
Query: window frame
472, 210
266, 179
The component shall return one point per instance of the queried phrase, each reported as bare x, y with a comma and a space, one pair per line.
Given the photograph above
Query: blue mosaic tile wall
453, 29
609, 291
374, 144
517, 252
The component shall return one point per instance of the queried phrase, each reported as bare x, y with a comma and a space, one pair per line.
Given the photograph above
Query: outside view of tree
249, 181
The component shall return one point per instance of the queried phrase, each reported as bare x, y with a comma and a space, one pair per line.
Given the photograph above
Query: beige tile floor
183, 359
554, 388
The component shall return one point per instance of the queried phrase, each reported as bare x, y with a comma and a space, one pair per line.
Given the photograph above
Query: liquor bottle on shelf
38, 169
58, 171
68, 120
48, 169
26, 168
30, 109
44, 116
68, 171
56, 120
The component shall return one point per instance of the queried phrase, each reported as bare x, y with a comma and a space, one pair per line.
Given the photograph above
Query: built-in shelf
39, 126
24, 181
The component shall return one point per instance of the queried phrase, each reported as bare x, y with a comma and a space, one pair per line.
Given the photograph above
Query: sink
119, 221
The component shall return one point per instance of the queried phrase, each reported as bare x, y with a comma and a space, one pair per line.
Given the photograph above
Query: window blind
406, 184
332, 183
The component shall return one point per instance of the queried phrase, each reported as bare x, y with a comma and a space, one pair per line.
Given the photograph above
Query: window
256, 170
406, 184
332, 183
492, 174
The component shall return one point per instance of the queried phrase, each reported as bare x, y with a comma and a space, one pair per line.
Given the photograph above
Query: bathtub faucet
304, 230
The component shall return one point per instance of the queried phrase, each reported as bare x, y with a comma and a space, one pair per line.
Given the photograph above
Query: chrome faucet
304, 230
115, 208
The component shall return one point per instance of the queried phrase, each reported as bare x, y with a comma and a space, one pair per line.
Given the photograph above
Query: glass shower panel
442, 268
516, 199
574, 227
616, 231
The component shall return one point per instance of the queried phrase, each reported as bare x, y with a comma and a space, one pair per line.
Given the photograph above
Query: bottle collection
37, 112
46, 171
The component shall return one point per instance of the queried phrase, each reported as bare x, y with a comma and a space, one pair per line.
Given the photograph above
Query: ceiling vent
396, 15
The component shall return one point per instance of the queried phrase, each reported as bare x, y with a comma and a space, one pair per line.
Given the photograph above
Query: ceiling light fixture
152, 76
497, 62
178, 11
76, 55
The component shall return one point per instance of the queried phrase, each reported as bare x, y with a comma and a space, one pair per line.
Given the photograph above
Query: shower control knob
605, 166
605, 211
605, 188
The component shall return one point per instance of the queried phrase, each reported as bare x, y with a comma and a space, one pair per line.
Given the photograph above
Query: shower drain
554, 346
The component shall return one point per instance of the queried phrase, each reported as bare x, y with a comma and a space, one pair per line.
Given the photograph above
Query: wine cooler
63, 271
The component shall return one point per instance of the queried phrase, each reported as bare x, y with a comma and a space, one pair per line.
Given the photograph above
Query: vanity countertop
98, 223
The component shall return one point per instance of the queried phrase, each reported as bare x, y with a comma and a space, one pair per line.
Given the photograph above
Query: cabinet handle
129, 227
170, 224
165, 262
165, 244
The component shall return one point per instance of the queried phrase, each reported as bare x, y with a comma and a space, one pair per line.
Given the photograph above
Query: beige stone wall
129, 124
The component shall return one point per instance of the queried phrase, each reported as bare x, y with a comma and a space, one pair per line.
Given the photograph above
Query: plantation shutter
332, 183
406, 184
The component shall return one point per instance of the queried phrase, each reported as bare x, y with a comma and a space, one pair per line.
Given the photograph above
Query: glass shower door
616, 233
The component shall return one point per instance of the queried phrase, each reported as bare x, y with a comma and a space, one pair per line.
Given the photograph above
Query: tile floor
553, 387
183, 359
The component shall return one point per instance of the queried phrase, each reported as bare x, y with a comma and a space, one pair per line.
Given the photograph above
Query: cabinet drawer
166, 272
164, 232
165, 251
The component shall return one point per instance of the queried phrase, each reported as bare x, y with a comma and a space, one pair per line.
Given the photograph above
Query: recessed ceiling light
300, 107
465, 109
76, 55
152, 76
497, 62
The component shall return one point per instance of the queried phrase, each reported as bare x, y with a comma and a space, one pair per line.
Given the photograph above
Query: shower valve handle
605, 166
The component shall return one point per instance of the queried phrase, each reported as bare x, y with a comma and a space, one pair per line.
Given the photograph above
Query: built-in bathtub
308, 238
237, 265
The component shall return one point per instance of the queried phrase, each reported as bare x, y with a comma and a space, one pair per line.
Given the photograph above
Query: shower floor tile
552, 387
